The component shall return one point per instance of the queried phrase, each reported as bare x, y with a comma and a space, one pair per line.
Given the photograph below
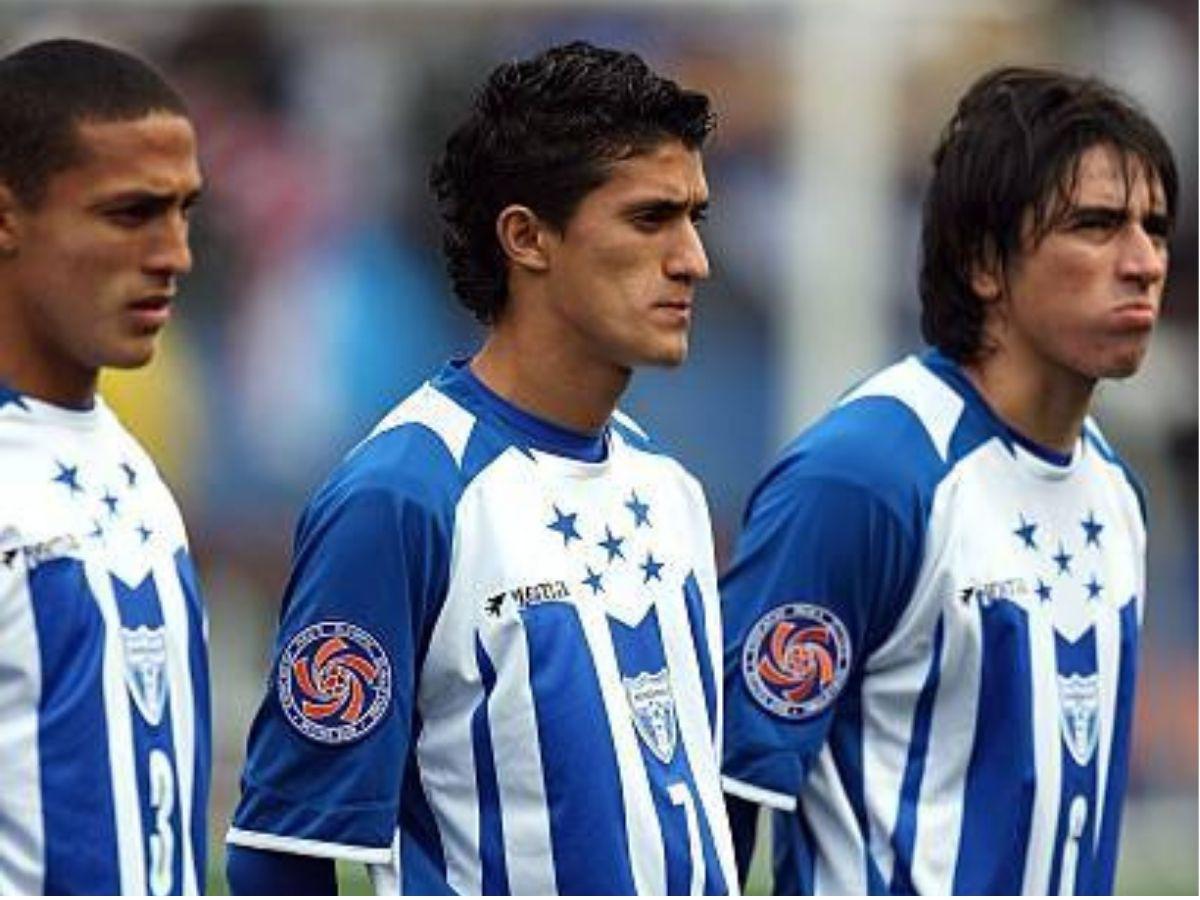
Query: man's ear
523, 237
987, 275
9, 225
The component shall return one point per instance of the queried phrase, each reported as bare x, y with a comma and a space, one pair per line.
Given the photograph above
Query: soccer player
497, 669
104, 706
932, 617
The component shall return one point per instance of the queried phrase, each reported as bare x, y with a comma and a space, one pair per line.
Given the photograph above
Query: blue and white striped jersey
104, 705
496, 669
931, 636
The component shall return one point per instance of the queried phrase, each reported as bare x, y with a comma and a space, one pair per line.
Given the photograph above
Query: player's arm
270, 872
327, 749
820, 573
743, 821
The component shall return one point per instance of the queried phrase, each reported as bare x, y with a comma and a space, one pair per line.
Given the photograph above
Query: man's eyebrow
148, 196
665, 205
1114, 212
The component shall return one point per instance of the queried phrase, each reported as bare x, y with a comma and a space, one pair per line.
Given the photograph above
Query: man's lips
677, 308
151, 312
1135, 315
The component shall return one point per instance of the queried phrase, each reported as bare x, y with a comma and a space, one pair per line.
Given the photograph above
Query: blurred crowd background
318, 298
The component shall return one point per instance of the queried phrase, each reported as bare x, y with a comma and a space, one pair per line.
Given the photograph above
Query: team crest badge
146, 669
1079, 703
653, 708
796, 660
335, 682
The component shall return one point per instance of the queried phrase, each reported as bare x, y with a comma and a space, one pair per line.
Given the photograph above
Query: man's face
1085, 299
624, 269
98, 260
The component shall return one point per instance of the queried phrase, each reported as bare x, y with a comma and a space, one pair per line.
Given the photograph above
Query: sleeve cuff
761, 796
258, 840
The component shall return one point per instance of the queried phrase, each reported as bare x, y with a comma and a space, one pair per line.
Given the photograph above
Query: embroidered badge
146, 670
796, 660
335, 682
653, 709
1079, 702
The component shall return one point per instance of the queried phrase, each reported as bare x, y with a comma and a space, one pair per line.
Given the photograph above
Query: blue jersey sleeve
327, 750
822, 571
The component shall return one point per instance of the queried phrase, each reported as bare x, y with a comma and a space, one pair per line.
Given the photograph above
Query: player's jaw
668, 327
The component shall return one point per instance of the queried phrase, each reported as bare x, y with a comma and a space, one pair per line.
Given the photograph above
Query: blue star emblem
1094, 588
640, 510
130, 473
595, 581
8, 395
97, 531
1091, 529
110, 501
1025, 533
144, 532
564, 524
1043, 591
612, 544
69, 476
652, 568
1063, 559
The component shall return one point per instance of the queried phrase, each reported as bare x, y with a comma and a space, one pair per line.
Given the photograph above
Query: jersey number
681, 795
1076, 819
162, 841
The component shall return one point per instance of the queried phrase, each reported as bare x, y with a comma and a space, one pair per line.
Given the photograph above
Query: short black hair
47, 89
542, 132
1013, 148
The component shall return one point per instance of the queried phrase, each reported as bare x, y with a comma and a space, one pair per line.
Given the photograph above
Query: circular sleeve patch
796, 660
334, 682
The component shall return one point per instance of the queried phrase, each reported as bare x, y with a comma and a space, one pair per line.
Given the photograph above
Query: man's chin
1125, 366
668, 357
132, 355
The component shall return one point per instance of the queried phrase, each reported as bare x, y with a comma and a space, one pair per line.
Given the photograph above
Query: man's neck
548, 380
28, 371
1046, 404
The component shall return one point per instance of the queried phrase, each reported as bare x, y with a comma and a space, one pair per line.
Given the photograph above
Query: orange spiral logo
796, 659
334, 682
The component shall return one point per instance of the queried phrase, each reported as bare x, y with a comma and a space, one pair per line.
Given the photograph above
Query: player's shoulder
416, 453
891, 438
1112, 464
649, 451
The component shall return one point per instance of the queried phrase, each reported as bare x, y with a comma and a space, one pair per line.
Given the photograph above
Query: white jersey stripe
828, 811
448, 740
179, 683
518, 757
951, 739
698, 740
120, 736
1108, 666
20, 689
641, 820
889, 707
1039, 853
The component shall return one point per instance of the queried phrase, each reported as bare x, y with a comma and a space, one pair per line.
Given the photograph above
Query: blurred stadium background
318, 298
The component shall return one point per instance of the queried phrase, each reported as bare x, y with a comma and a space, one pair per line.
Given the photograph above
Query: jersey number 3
162, 838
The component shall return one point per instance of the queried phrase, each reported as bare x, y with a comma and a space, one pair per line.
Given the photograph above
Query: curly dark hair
543, 132
48, 88
1013, 148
